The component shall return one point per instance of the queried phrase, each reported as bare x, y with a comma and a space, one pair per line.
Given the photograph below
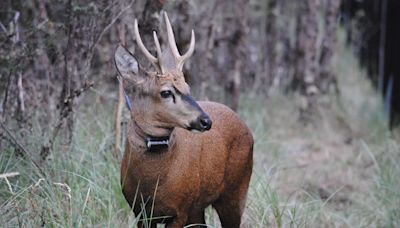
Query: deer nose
205, 122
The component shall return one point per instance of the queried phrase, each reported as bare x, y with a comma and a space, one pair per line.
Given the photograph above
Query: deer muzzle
202, 123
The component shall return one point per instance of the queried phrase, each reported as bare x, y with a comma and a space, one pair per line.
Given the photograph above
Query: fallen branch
12, 174
5, 175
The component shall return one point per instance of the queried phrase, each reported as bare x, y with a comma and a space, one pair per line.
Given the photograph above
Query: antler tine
158, 49
158, 46
171, 37
180, 60
189, 52
139, 42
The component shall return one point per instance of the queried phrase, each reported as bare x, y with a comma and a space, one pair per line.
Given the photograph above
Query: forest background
315, 80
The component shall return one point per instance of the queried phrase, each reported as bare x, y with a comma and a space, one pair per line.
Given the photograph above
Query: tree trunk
305, 75
327, 80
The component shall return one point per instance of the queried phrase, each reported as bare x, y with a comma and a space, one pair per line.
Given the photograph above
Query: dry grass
336, 172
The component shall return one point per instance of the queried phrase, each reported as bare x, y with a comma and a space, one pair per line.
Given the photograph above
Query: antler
158, 62
179, 60
148, 55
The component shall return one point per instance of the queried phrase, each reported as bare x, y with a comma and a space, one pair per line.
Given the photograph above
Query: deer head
162, 99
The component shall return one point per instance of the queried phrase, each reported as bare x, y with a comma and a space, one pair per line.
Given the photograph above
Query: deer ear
127, 65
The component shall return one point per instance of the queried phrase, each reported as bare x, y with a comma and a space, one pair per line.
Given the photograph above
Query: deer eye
166, 93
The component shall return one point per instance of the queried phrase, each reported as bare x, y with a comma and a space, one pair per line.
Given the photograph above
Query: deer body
177, 182
194, 172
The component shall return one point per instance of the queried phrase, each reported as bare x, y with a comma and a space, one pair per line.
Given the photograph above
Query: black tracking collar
157, 143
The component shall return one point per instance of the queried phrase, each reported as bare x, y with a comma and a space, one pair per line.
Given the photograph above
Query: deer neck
147, 135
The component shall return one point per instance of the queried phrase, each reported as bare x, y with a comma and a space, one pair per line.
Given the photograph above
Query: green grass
341, 171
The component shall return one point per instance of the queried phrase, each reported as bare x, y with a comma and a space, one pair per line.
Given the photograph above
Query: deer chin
195, 131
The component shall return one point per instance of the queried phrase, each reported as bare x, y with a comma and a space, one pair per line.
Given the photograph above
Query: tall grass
340, 171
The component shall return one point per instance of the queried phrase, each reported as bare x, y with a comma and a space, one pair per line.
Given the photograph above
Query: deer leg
178, 222
231, 204
229, 212
196, 219
142, 224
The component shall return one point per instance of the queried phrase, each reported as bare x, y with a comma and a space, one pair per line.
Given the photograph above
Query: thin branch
9, 186
3, 28
67, 80
5, 97
19, 145
109, 26
382, 39
65, 110
21, 100
100, 36
118, 110
16, 38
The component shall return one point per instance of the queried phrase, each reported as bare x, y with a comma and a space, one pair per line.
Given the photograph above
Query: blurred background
317, 81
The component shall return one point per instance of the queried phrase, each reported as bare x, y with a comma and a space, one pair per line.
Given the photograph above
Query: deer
181, 155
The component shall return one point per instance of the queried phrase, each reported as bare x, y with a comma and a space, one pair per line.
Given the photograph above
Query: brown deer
169, 171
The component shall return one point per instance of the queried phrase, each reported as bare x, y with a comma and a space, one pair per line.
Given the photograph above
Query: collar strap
128, 101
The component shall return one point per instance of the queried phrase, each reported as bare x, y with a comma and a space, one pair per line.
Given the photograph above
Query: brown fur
213, 167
